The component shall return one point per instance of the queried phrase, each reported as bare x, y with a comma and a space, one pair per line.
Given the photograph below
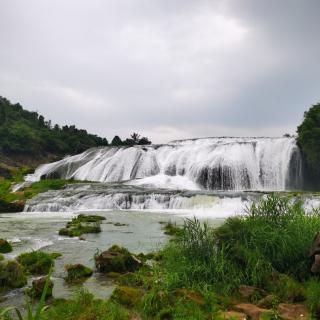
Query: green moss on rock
5, 246
12, 275
77, 272
127, 296
81, 225
37, 262
117, 259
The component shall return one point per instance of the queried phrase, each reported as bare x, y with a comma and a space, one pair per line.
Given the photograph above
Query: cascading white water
211, 163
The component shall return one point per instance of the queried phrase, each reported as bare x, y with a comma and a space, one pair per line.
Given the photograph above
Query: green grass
81, 225
85, 307
37, 262
274, 236
77, 272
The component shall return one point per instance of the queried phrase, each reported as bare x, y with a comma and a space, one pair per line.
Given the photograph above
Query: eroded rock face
117, 259
292, 311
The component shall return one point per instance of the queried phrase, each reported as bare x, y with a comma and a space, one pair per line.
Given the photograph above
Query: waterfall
208, 164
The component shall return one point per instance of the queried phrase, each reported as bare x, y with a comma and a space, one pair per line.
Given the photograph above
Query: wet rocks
117, 259
38, 287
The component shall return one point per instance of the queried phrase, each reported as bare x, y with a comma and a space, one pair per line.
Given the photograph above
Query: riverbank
258, 265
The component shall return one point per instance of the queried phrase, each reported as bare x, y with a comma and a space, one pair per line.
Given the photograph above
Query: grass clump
37, 262
5, 246
77, 272
12, 275
81, 225
171, 228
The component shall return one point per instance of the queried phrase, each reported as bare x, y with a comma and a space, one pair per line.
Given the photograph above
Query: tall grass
274, 236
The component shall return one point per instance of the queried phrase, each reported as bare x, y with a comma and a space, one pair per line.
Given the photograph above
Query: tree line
25, 132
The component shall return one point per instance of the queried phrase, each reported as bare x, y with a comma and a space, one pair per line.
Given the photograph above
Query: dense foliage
24, 132
309, 139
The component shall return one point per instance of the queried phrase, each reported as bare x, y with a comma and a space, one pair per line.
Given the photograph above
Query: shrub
12, 275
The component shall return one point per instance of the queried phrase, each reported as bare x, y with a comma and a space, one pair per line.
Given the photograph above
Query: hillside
26, 137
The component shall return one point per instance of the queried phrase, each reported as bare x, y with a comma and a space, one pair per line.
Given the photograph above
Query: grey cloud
180, 68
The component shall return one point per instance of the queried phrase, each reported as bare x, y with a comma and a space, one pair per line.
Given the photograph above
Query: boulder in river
117, 259
38, 287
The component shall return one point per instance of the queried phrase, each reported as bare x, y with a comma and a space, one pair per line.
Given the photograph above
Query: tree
135, 137
144, 140
309, 141
116, 141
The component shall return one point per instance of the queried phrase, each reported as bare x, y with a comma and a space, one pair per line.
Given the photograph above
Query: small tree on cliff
309, 140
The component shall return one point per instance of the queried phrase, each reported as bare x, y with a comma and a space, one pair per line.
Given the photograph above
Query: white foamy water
211, 164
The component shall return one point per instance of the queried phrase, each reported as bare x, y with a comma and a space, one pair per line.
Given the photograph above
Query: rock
266, 302
232, 315
315, 268
251, 310
77, 272
5, 246
117, 259
251, 293
292, 311
315, 248
191, 295
127, 296
17, 206
38, 286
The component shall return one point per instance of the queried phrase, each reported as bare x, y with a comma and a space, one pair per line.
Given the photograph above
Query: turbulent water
207, 164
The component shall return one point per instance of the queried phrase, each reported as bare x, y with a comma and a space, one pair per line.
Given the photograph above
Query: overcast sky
168, 69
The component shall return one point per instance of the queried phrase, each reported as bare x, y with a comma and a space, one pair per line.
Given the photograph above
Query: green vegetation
77, 272
81, 225
171, 228
256, 264
37, 262
309, 141
15, 201
116, 259
27, 133
12, 275
5, 246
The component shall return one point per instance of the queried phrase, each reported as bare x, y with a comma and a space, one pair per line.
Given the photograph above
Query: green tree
309, 141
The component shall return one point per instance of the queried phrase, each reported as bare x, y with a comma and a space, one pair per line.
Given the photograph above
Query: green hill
26, 133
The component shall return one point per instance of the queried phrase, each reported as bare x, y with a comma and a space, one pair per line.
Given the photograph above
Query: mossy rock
12, 275
190, 295
38, 286
81, 225
77, 272
5, 246
127, 296
37, 262
117, 259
